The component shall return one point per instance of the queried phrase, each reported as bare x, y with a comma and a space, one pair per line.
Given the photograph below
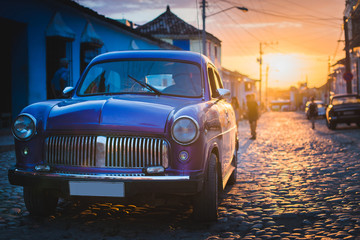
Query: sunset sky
298, 36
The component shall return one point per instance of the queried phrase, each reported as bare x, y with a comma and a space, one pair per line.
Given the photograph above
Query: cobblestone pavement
293, 183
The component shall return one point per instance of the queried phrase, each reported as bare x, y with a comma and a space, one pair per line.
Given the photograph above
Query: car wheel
330, 125
40, 202
232, 179
206, 201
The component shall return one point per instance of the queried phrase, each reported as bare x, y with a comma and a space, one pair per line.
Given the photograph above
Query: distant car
138, 122
344, 108
320, 105
285, 108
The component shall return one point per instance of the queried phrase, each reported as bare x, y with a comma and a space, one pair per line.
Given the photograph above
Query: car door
227, 122
229, 127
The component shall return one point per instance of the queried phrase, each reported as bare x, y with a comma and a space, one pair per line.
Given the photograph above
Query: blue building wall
30, 19
182, 43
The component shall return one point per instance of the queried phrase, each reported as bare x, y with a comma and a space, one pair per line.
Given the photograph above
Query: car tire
330, 125
40, 202
233, 176
206, 201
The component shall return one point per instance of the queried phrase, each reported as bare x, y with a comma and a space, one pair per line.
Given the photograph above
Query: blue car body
119, 137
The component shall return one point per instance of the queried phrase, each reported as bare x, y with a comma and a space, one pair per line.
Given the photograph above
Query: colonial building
352, 24
240, 85
336, 81
36, 34
172, 29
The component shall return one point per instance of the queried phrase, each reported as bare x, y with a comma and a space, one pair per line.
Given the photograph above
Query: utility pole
260, 60
347, 75
204, 5
266, 86
203, 30
260, 77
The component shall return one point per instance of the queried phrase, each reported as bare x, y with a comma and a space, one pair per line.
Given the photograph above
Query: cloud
141, 11
92, 3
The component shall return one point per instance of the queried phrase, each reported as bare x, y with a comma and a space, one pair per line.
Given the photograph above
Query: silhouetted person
313, 112
60, 79
252, 114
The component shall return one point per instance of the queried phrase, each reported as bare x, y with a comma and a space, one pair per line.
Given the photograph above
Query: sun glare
284, 69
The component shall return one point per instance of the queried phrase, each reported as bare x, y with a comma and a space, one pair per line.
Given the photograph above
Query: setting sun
284, 69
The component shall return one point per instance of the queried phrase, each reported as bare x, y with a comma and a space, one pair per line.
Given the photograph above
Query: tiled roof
170, 24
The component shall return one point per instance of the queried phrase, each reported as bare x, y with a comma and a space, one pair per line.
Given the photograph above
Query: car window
168, 77
345, 100
218, 80
160, 81
215, 82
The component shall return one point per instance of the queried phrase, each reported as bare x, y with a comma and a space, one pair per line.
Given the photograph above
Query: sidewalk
6, 140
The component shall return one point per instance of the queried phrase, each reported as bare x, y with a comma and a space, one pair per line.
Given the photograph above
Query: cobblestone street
293, 183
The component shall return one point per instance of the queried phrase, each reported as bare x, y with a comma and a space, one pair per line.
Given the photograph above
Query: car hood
135, 114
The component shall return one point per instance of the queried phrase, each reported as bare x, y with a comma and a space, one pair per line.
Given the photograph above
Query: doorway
13, 90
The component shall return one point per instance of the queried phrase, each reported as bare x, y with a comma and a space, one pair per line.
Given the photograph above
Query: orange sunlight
284, 69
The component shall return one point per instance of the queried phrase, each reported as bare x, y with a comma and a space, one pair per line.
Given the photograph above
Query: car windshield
345, 100
150, 76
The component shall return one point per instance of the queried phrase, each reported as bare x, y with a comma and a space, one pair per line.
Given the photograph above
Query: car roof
151, 54
344, 95
315, 101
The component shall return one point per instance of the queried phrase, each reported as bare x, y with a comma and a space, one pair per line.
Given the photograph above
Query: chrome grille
135, 152
110, 152
71, 150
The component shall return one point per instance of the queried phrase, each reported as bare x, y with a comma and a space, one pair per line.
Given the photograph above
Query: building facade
240, 85
352, 24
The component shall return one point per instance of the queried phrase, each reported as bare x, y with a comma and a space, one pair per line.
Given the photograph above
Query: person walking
252, 114
313, 112
60, 79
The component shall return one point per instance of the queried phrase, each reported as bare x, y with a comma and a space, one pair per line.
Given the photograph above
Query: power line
298, 18
337, 45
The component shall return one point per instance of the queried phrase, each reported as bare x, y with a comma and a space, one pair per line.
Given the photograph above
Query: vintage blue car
137, 122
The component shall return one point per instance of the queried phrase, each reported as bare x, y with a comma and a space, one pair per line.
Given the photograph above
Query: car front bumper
130, 185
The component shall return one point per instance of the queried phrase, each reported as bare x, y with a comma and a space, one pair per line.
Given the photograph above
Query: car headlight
24, 127
185, 130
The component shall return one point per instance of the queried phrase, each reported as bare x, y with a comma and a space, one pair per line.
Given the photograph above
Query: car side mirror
224, 93
67, 92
